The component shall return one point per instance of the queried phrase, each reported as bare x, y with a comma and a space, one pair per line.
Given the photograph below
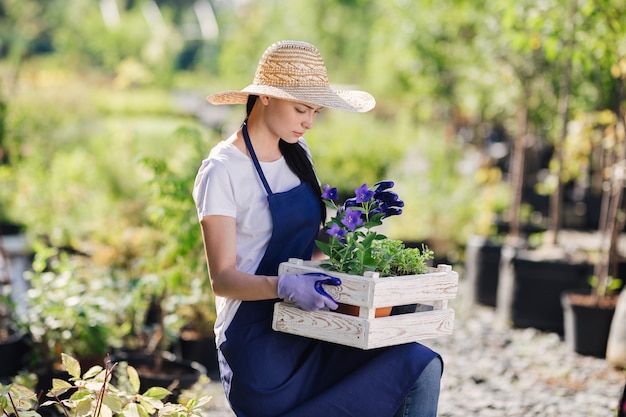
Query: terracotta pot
351, 310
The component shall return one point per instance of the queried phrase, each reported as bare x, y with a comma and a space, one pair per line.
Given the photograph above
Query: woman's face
289, 120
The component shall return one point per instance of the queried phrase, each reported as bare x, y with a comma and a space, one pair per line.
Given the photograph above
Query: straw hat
295, 71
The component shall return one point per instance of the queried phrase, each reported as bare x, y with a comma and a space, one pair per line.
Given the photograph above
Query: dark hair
297, 160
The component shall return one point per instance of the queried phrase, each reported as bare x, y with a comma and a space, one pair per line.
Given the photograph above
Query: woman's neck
264, 143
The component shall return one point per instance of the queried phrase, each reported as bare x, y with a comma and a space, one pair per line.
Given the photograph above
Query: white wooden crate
431, 291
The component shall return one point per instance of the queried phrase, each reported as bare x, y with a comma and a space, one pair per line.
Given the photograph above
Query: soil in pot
351, 310
586, 324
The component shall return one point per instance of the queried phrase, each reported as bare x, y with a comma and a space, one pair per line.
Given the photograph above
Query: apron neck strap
255, 160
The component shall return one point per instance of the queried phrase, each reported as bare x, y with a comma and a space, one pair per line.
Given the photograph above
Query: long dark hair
297, 160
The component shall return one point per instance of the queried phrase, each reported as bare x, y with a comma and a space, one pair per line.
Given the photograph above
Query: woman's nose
308, 122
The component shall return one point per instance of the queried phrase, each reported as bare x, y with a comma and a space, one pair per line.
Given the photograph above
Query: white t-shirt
227, 184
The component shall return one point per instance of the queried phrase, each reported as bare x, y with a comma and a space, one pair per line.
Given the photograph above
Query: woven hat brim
349, 100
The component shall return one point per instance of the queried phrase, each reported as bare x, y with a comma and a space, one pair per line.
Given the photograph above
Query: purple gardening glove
306, 290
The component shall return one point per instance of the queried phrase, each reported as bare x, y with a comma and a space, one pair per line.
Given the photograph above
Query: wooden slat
439, 284
363, 333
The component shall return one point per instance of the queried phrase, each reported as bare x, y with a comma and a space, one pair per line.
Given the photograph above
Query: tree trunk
556, 199
613, 223
517, 166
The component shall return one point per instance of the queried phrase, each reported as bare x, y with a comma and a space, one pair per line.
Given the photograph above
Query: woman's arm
219, 237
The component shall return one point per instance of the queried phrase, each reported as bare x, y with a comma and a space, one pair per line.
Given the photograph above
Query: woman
259, 203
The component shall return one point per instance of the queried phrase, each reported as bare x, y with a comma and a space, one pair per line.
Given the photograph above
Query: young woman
259, 203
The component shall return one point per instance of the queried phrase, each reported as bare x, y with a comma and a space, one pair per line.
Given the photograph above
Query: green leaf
134, 410
105, 412
29, 413
23, 398
80, 395
325, 248
71, 365
149, 405
93, 371
133, 378
59, 387
83, 408
113, 401
94, 386
157, 393
201, 402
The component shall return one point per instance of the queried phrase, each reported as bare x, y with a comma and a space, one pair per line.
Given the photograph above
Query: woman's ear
265, 100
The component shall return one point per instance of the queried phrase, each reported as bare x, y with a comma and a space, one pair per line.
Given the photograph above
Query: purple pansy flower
330, 193
388, 203
383, 185
352, 219
337, 232
393, 211
389, 197
363, 194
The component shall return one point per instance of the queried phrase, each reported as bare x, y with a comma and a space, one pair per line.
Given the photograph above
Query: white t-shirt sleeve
212, 190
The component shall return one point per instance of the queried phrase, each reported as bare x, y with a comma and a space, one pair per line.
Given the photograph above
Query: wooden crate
430, 291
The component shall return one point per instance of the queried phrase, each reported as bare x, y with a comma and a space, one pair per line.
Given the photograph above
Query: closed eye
302, 111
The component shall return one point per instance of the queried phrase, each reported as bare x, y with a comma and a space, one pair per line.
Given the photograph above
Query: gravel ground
492, 370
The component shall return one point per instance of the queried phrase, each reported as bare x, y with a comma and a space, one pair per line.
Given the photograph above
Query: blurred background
91, 87
495, 119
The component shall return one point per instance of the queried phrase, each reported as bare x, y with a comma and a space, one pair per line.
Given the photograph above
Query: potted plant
398, 296
589, 315
156, 333
72, 306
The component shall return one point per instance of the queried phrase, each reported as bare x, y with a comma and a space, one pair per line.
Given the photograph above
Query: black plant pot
175, 374
530, 289
199, 349
13, 353
482, 269
586, 327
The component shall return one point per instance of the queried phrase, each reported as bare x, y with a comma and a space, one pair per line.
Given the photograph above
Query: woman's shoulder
223, 157
225, 149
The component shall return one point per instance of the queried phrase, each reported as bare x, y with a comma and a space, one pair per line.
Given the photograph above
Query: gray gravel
492, 370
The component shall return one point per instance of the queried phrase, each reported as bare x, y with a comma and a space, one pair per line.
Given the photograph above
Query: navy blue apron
273, 374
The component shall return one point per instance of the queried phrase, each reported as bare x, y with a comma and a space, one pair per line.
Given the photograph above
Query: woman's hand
306, 290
